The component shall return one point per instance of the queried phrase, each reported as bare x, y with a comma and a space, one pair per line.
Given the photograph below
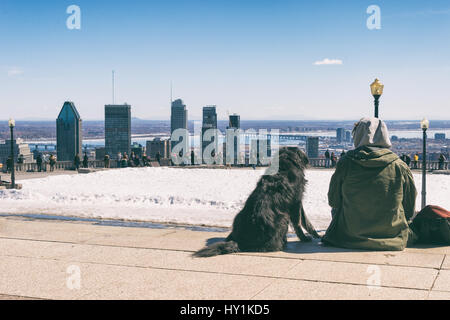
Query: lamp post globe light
424, 124
12, 124
377, 90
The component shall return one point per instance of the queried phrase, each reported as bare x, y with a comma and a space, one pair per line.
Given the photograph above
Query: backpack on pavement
432, 226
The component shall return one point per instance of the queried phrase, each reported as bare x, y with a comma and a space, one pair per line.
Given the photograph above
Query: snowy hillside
193, 196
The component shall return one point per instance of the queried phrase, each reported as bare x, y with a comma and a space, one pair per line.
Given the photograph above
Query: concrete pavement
48, 259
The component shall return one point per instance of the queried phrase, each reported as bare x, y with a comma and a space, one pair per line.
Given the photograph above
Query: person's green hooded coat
372, 194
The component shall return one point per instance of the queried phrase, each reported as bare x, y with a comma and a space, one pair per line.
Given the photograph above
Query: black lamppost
11, 124
424, 124
377, 90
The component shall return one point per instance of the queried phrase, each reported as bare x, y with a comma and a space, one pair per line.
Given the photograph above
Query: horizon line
143, 119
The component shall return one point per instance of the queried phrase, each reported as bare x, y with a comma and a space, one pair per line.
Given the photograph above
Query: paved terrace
39, 259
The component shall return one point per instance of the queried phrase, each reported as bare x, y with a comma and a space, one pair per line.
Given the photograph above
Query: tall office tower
117, 130
232, 140
312, 147
348, 136
178, 119
235, 121
68, 133
340, 135
209, 122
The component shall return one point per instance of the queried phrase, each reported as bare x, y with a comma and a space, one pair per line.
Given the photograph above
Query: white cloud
328, 62
14, 71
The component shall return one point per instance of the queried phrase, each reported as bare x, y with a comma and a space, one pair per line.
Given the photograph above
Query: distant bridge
281, 137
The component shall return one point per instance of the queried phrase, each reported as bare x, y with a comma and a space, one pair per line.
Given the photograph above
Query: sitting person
372, 194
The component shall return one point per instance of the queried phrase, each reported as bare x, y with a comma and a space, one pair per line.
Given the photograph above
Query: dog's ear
304, 158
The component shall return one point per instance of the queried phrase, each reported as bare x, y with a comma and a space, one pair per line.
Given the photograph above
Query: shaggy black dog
262, 224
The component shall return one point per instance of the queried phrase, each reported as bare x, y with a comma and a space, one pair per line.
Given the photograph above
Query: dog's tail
218, 248
307, 224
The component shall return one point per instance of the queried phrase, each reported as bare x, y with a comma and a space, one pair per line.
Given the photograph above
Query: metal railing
69, 165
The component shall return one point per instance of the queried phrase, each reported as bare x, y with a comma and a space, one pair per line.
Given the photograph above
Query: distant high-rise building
233, 139
312, 147
68, 133
348, 136
235, 121
340, 135
117, 130
178, 116
439, 136
209, 122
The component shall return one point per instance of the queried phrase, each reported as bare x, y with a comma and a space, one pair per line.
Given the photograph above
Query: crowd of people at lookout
413, 162
133, 160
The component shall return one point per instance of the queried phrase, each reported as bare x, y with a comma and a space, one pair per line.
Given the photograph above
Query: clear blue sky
253, 57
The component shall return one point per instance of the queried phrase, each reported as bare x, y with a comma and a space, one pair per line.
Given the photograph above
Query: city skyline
265, 60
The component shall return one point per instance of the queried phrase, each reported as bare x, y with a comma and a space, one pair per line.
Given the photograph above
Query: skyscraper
340, 135
312, 147
209, 122
233, 140
348, 136
68, 133
117, 130
178, 118
235, 121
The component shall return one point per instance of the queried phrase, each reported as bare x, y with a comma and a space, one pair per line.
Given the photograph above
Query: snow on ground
190, 196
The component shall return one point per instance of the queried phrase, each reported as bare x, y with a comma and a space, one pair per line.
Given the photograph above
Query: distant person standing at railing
342, 154
441, 161
85, 160
158, 157
39, 162
136, 161
131, 160
52, 161
119, 160
9, 165
408, 161
327, 159
124, 160
77, 161
144, 160
333, 160
416, 160
106, 159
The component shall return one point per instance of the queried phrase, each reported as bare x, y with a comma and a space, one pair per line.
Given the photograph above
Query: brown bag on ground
432, 226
